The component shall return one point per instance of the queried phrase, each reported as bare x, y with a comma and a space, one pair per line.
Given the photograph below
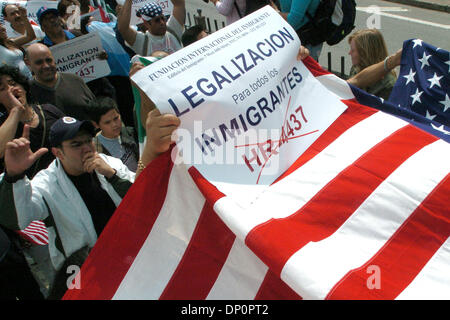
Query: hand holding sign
160, 128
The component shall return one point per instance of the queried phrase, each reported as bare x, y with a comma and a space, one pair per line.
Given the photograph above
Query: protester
369, 75
233, 10
119, 37
157, 36
15, 112
15, 14
52, 25
367, 47
114, 138
66, 91
11, 52
295, 13
76, 195
55, 34
193, 34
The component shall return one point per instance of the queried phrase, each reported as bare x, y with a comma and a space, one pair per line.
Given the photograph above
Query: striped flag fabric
362, 214
36, 233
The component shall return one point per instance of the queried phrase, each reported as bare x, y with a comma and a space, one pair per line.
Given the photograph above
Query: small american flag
36, 233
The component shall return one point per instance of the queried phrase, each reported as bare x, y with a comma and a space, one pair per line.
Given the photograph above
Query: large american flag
423, 85
362, 214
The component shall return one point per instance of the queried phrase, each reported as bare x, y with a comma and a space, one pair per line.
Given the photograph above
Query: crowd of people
68, 148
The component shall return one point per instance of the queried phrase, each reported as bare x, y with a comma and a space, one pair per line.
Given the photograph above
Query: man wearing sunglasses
161, 35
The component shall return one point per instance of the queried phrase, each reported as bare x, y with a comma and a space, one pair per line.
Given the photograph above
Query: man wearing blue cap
160, 35
51, 24
75, 196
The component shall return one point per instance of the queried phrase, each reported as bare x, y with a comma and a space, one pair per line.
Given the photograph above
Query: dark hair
62, 7
191, 34
18, 77
100, 106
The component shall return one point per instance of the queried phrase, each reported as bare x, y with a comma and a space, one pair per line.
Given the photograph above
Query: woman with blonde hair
367, 47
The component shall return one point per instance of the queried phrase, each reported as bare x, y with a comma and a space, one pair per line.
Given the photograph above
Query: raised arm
179, 11
123, 23
374, 73
9, 127
20, 202
29, 31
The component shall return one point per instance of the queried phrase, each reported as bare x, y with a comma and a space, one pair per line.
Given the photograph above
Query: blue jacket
297, 9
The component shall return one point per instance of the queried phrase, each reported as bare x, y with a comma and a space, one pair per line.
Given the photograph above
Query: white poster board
34, 6
248, 108
79, 56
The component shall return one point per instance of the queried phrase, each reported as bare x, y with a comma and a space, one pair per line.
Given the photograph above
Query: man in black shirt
75, 196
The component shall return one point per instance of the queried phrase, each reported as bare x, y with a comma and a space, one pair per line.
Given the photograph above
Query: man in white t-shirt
11, 12
160, 35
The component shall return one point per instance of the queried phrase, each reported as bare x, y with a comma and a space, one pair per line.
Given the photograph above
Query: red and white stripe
372, 191
36, 233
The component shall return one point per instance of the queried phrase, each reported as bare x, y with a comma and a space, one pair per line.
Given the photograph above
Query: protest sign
34, 6
79, 56
248, 108
166, 6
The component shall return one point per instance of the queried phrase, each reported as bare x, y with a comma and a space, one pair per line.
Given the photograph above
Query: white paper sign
248, 108
34, 6
79, 56
166, 6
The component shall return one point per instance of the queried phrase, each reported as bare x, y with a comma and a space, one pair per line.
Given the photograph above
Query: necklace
31, 119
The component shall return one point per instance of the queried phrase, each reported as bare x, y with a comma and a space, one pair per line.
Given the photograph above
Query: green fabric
137, 106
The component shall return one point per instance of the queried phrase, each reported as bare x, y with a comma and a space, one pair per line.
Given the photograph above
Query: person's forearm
8, 129
120, 185
179, 11
368, 76
123, 21
374, 73
148, 155
27, 37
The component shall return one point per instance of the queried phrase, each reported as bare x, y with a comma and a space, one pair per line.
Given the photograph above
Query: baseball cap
149, 11
43, 11
67, 128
